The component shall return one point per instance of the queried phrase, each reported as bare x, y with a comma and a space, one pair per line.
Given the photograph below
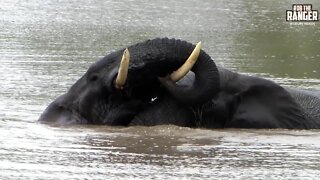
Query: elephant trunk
160, 57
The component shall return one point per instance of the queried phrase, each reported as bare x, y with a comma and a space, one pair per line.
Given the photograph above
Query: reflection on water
164, 151
46, 45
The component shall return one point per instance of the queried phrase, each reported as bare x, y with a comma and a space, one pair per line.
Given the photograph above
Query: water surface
45, 46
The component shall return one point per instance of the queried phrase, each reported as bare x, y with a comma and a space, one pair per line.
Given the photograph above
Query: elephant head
113, 94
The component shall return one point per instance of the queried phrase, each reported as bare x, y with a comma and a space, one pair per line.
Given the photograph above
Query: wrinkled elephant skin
207, 97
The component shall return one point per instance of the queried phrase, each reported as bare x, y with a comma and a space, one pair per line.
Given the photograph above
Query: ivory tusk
123, 70
187, 66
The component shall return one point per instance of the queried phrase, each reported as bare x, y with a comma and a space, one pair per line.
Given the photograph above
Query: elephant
150, 84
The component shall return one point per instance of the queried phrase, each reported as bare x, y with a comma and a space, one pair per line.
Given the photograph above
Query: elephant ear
164, 111
266, 106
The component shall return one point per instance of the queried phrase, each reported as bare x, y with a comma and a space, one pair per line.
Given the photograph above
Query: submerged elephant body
210, 97
242, 102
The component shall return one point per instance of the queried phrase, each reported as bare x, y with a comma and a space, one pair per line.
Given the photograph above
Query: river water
45, 46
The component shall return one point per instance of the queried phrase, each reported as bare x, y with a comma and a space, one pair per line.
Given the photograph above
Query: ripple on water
45, 46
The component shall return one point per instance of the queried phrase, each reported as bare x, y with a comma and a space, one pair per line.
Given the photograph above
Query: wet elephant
145, 92
103, 95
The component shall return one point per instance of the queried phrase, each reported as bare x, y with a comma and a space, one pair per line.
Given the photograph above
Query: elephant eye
93, 78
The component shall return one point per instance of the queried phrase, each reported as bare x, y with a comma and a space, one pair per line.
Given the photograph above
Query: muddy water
46, 46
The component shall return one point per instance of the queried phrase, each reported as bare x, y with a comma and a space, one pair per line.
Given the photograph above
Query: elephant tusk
123, 70
187, 66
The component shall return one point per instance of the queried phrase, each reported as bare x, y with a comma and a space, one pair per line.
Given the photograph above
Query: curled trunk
160, 57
